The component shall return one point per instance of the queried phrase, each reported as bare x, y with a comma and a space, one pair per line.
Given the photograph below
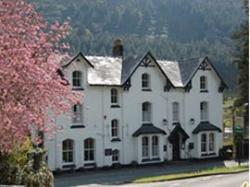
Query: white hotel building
138, 110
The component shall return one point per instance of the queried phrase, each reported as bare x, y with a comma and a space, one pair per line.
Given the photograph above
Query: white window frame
145, 81
115, 128
77, 79
176, 111
204, 108
203, 83
155, 146
88, 149
147, 114
114, 96
204, 143
211, 142
77, 117
145, 147
67, 151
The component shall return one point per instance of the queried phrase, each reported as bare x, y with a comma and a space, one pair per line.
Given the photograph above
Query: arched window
114, 96
146, 112
203, 83
204, 111
145, 147
145, 78
77, 114
89, 150
211, 142
114, 128
77, 79
155, 146
115, 156
68, 151
176, 112
203, 143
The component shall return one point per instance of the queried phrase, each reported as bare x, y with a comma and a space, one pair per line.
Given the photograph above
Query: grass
206, 172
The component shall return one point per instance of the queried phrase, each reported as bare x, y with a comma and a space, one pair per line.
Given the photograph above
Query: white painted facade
97, 115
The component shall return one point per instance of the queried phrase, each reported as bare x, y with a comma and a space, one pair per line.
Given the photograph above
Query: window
204, 111
155, 146
89, 149
203, 83
176, 112
146, 112
114, 96
67, 151
114, 128
211, 142
203, 143
115, 156
145, 147
77, 113
145, 81
77, 79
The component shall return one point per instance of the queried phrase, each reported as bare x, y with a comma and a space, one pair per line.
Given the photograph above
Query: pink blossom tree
30, 81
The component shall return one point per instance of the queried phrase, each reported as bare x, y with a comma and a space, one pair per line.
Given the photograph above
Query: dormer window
145, 78
203, 84
77, 79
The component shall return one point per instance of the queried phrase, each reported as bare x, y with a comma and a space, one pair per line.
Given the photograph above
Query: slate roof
178, 130
206, 126
115, 71
148, 129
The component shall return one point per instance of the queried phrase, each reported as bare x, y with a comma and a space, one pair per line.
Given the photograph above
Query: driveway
125, 175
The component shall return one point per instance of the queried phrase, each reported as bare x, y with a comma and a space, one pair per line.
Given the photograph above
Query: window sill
146, 90
78, 88
115, 140
150, 160
208, 154
203, 91
115, 106
68, 165
91, 165
77, 126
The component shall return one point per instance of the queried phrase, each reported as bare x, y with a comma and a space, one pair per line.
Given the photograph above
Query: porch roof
178, 130
148, 128
206, 126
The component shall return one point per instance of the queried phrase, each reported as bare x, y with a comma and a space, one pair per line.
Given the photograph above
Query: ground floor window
211, 142
150, 147
155, 146
207, 143
145, 147
115, 156
89, 149
67, 151
203, 143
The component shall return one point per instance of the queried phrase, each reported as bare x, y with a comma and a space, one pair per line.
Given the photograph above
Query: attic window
145, 78
77, 79
203, 84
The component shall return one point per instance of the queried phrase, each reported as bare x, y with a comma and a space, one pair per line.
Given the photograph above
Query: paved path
124, 175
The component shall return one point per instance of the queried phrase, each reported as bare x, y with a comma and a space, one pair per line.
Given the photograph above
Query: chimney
117, 48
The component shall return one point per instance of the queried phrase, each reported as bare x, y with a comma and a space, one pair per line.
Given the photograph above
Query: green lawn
212, 171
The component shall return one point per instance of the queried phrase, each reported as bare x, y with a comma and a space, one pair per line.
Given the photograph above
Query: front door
176, 148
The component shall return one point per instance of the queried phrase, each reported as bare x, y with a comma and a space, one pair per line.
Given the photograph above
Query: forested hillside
172, 29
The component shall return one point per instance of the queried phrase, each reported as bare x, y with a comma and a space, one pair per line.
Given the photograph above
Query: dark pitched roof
178, 130
206, 126
116, 71
148, 129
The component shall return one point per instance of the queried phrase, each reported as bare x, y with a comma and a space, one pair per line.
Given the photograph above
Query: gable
78, 58
147, 60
